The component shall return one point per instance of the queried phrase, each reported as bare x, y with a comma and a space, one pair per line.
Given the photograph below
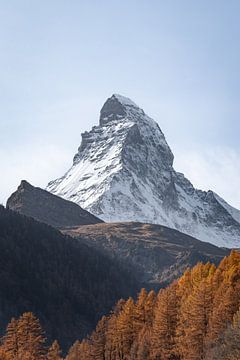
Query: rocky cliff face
48, 208
123, 171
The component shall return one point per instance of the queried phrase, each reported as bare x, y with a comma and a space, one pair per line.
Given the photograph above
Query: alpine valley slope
123, 171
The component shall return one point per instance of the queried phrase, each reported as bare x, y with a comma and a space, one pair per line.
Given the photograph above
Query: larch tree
98, 340
54, 352
31, 338
149, 307
139, 316
227, 347
193, 323
140, 349
10, 342
225, 306
163, 335
226, 300
124, 330
78, 351
111, 345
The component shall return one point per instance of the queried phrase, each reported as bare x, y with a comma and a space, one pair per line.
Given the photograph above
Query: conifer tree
54, 352
4, 355
164, 324
111, 339
75, 351
227, 347
194, 318
98, 340
10, 346
225, 306
31, 338
185, 285
139, 316
140, 349
149, 307
124, 330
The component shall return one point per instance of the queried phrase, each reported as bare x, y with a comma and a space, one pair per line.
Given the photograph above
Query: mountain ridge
154, 253
48, 208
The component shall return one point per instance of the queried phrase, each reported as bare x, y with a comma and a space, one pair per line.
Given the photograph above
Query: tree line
196, 317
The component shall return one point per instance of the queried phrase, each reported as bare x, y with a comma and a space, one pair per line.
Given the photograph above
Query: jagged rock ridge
48, 208
123, 171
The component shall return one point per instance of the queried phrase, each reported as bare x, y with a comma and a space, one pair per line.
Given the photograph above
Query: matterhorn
123, 171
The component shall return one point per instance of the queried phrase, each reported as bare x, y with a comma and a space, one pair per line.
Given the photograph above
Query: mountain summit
123, 171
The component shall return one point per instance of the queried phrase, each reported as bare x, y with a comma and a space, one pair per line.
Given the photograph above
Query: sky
178, 60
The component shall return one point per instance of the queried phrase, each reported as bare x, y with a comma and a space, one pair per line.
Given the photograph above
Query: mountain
123, 171
154, 253
48, 208
67, 284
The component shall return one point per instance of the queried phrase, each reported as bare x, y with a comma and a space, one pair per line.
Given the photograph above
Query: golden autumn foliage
182, 322
194, 318
54, 352
25, 340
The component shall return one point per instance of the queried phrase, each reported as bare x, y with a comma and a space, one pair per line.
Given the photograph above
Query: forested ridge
66, 284
196, 317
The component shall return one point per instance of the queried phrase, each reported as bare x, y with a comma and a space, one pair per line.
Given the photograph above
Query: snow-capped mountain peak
118, 107
123, 171
123, 100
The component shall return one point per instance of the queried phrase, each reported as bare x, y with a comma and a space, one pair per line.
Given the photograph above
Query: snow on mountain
235, 213
123, 171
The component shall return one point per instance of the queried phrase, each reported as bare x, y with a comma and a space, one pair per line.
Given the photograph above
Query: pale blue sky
179, 60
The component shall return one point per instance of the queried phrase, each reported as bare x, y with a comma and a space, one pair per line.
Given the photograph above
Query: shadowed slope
156, 254
67, 284
48, 208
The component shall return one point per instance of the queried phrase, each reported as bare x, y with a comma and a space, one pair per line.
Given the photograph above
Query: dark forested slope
65, 283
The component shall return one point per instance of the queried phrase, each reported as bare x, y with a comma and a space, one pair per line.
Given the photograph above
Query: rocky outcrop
48, 208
